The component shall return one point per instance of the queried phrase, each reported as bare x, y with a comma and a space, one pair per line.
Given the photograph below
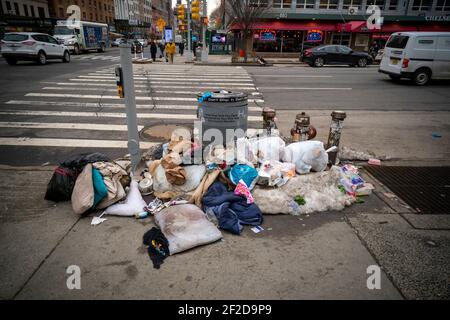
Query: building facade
24, 15
90, 10
133, 17
289, 26
161, 9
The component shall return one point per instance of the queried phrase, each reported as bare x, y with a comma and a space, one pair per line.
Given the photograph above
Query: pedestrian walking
153, 50
161, 48
181, 46
170, 51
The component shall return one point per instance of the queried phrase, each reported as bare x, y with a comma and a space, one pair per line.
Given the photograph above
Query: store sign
267, 36
314, 36
437, 18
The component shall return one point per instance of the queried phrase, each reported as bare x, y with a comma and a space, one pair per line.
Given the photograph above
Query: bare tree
243, 14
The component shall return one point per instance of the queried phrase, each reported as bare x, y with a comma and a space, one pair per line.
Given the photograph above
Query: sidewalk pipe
337, 123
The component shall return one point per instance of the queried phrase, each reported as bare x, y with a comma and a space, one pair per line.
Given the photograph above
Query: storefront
275, 37
25, 24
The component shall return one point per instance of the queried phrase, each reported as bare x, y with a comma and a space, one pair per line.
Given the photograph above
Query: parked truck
82, 36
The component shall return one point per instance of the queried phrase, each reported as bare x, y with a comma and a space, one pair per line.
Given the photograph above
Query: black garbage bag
78, 161
63, 180
61, 184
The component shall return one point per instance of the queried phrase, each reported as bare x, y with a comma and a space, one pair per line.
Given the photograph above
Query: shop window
305, 4
329, 4
282, 3
342, 39
277, 41
393, 5
351, 4
379, 3
422, 5
443, 5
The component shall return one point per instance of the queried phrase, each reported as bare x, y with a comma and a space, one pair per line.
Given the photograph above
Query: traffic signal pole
189, 37
204, 26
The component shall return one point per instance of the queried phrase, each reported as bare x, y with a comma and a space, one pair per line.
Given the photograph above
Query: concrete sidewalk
322, 256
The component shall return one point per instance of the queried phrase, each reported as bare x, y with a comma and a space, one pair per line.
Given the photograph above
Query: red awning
293, 26
435, 28
396, 27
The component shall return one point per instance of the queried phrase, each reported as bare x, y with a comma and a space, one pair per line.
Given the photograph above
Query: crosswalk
96, 57
84, 111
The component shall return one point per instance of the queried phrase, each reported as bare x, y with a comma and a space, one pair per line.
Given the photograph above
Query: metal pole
334, 137
204, 51
130, 104
189, 39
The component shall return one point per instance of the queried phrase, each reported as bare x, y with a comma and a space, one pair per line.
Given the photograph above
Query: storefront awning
291, 25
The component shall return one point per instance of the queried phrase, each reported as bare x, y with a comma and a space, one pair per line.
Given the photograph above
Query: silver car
31, 46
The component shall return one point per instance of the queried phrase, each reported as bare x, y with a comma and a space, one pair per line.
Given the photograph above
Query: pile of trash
191, 200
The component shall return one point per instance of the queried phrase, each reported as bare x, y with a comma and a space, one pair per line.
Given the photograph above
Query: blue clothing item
100, 190
244, 172
232, 211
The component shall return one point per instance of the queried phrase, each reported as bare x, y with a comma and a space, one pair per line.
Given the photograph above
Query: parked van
419, 56
82, 35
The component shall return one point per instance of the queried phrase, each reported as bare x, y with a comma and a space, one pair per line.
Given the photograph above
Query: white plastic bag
186, 226
307, 156
133, 204
267, 148
194, 175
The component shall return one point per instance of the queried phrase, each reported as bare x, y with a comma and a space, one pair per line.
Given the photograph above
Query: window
341, 38
351, 4
61, 12
393, 5
8, 6
344, 50
443, 5
32, 11
282, 3
397, 42
306, 4
41, 12
25, 10
15, 37
16, 8
52, 40
379, 3
422, 5
329, 4
39, 37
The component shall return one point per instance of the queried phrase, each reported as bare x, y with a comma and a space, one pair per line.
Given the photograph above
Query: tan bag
83, 192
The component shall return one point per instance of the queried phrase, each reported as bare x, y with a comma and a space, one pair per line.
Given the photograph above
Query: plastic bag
133, 204
275, 173
186, 226
194, 175
80, 160
244, 172
61, 184
307, 156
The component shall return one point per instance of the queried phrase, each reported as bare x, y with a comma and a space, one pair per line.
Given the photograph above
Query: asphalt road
49, 112
342, 87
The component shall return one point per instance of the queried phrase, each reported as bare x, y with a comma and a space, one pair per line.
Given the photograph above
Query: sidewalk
322, 256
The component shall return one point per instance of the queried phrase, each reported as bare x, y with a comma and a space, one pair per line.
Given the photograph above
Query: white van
419, 56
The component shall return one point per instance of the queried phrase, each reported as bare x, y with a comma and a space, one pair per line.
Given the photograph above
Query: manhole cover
163, 132
426, 189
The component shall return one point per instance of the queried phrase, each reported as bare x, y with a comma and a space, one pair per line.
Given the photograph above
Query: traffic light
181, 12
205, 21
195, 10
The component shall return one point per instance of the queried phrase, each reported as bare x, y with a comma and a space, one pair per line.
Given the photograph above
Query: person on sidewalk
170, 51
181, 46
153, 50
161, 48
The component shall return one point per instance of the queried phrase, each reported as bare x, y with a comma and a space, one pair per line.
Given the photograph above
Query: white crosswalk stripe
84, 111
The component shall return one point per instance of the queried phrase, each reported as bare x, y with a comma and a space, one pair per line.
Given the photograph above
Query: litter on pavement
191, 203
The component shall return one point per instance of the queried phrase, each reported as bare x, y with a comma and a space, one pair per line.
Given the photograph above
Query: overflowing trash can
223, 110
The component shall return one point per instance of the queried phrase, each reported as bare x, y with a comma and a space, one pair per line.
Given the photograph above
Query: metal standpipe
130, 104
337, 123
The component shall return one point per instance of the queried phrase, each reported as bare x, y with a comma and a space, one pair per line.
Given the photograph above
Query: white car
31, 46
144, 42
419, 56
